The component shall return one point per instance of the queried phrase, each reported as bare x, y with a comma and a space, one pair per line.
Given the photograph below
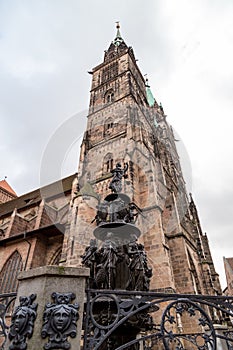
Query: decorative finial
118, 39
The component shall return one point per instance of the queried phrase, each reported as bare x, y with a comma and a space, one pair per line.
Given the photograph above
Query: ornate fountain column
118, 263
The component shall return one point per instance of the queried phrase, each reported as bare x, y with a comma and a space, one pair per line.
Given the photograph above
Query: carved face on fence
22, 322
60, 321
20, 319
61, 318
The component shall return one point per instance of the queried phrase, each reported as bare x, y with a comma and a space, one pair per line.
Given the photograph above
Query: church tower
126, 125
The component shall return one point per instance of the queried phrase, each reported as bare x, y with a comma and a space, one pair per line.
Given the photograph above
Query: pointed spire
117, 46
118, 39
118, 30
150, 98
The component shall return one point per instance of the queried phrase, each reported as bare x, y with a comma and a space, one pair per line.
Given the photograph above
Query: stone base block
54, 280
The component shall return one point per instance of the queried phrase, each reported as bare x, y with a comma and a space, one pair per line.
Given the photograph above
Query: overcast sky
185, 48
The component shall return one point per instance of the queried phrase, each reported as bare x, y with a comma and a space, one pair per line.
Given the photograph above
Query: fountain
120, 263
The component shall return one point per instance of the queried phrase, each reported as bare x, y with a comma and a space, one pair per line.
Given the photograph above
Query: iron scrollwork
114, 319
22, 322
6, 303
180, 311
60, 321
129, 319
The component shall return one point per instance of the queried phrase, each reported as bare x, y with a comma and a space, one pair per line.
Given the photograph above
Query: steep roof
117, 46
118, 39
53, 189
6, 187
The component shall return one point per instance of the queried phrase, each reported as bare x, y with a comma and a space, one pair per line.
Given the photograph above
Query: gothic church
125, 125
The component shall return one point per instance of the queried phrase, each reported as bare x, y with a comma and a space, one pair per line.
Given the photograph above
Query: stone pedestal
44, 281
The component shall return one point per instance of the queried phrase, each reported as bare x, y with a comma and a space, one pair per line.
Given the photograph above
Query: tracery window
110, 72
9, 273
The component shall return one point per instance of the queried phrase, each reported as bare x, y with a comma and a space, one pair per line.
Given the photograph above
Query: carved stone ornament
22, 322
60, 321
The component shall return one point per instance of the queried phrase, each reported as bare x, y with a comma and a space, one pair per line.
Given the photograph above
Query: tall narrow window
9, 273
108, 126
194, 275
108, 163
109, 96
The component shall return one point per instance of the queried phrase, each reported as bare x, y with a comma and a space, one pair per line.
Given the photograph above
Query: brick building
31, 230
125, 125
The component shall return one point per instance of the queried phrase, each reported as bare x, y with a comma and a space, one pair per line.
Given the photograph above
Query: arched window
9, 273
109, 96
108, 163
109, 124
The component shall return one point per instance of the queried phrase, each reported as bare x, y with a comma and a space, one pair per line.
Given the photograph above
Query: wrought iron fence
118, 320
129, 320
6, 305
